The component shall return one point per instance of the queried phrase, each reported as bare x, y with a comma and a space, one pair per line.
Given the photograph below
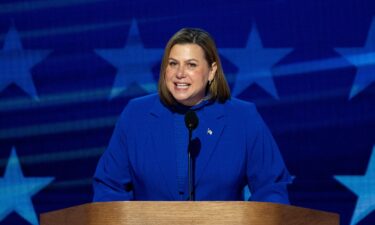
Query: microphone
191, 122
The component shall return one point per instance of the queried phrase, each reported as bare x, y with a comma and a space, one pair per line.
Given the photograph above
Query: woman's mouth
182, 85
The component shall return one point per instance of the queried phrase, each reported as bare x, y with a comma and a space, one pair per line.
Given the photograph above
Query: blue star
363, 59
15, 63
16, 191
364, 188
246, 193
133, 63
255, 64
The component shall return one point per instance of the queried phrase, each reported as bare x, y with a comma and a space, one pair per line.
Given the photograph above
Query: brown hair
218, 88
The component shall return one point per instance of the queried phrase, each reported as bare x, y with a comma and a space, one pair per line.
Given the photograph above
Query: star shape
246, 193
16, 191
133, 63
364, 60
16, 63
364, 187
255, 64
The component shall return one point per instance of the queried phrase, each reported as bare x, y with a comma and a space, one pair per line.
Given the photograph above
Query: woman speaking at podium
191, 140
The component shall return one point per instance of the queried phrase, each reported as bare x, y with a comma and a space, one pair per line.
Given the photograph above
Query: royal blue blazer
140, 161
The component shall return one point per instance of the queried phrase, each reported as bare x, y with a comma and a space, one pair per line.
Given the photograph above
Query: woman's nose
181, 72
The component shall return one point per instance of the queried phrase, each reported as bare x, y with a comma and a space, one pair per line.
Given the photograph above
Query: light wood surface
184, 213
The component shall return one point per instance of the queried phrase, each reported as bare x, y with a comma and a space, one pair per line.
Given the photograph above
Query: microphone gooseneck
191, 122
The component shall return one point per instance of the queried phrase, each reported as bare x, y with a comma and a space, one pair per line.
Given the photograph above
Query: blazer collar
213, 125
161, 127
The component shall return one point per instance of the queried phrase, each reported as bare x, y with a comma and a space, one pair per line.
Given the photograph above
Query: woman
147, 155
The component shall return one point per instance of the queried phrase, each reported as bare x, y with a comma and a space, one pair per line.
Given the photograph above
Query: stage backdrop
68, 68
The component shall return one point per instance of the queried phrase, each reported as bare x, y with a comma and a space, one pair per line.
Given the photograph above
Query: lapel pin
209, 131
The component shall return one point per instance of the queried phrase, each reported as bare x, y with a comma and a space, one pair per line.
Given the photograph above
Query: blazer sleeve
267, 175
112, 179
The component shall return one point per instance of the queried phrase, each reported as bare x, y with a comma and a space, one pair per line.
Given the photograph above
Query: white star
255, 64
364, 60
15, 63
16, 191
364, 188
133, 63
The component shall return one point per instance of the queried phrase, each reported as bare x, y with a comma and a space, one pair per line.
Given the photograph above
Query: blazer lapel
161, 125
213, 126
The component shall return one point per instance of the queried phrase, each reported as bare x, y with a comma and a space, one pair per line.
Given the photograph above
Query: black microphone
191, 122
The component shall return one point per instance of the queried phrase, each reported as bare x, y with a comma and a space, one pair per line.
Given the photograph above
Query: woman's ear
213, 70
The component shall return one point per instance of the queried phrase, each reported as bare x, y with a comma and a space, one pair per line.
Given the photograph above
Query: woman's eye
192, 65
172, 63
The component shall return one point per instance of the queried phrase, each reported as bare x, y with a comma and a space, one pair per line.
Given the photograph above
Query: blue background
67, 69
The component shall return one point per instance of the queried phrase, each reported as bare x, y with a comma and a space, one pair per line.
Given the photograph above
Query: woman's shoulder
243, 111
140, 105
144, 100
240, 105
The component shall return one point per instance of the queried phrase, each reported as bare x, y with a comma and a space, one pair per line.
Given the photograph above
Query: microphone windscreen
191, 120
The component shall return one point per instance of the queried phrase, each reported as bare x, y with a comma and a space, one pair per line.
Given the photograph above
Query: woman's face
187, 73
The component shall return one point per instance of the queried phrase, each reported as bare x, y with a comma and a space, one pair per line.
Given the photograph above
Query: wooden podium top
153, 212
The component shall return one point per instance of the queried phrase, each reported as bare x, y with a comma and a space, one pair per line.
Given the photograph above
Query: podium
192, 213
